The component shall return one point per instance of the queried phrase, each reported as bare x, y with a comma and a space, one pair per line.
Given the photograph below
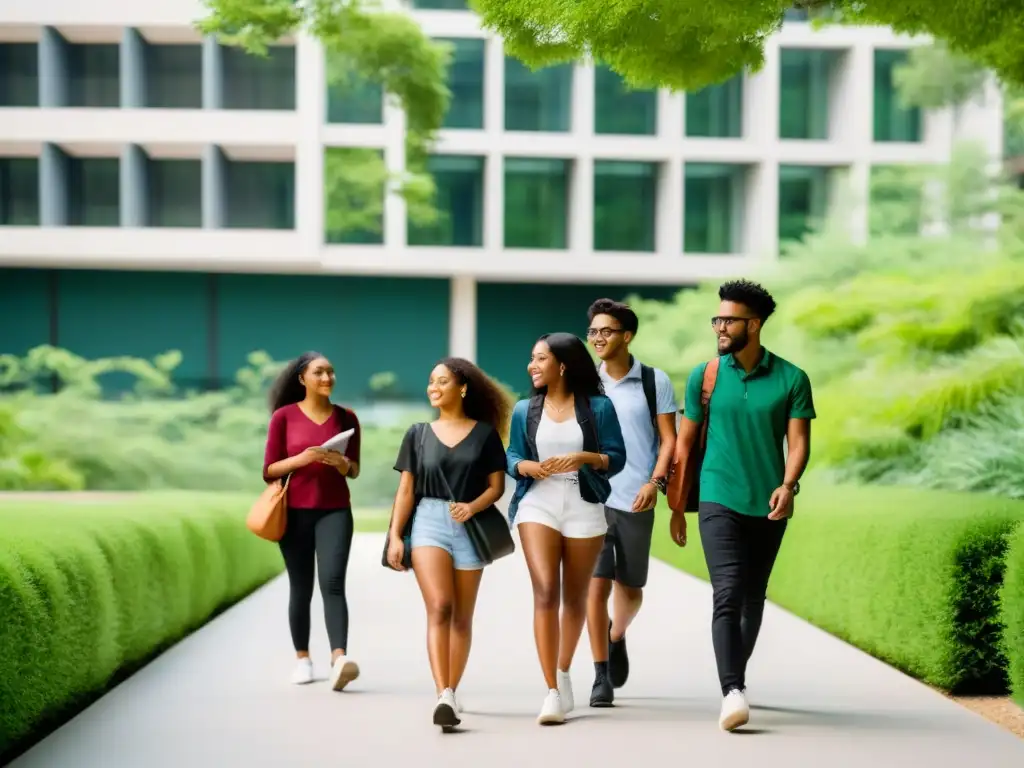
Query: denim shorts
433, 526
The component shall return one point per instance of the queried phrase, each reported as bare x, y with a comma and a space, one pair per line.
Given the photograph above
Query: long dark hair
287, 388
485, 400
581, 377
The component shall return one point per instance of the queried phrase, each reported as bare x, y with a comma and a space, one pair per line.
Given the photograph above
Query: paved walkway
221, 697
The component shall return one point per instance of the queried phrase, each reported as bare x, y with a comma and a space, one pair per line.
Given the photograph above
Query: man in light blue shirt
646, 406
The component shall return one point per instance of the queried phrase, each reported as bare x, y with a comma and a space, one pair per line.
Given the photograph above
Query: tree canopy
689, 44
933, 77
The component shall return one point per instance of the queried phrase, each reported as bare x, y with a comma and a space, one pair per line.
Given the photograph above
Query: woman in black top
452, 468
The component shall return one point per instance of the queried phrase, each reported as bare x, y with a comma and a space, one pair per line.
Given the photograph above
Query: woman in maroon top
319, 507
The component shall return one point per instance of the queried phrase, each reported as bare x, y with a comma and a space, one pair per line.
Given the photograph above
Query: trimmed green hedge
1012, 599
91, 590
910, 576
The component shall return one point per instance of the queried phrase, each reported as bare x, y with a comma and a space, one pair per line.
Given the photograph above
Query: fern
961, 387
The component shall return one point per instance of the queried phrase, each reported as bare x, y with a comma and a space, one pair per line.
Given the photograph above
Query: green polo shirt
745, 462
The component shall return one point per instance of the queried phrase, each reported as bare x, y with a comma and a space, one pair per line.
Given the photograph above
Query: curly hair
287, 388
622, 312
485, 400
581, 376
750, 295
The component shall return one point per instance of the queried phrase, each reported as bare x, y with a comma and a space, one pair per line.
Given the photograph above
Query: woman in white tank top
564, 444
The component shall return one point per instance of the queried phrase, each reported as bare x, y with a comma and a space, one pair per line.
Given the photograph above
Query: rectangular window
19, 75
174, 76
459, 201
352, 99
536, 202
893, 121
175, 193
625, 204
537, 101
716, 112
804, 91
620, 110
94, 75
19, 191
94, 191
354, 191
466, 82
259, 195
441, 5
713, 194
255, 82
808, 14
803, 200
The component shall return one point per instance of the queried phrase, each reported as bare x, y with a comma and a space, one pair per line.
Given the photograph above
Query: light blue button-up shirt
641, 439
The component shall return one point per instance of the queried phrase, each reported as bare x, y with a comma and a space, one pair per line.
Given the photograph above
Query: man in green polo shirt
758, 443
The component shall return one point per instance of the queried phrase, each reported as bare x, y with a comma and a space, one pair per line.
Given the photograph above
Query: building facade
160, 191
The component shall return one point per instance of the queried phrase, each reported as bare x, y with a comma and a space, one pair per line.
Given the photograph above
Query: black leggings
324, 538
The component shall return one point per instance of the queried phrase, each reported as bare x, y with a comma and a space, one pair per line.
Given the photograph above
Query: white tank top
557, 438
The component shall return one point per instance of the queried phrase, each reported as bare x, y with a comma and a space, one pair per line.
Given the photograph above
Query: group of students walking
589, 452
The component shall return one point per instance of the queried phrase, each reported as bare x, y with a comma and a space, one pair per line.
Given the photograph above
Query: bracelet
660, 483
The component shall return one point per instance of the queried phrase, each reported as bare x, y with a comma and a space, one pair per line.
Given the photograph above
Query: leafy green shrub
909, 576
89, 591
1012, 601
155, 438
985, 454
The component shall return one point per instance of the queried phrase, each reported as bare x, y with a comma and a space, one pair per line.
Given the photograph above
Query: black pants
321, 538
740, 551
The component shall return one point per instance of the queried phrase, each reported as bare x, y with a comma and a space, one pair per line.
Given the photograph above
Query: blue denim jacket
601, 434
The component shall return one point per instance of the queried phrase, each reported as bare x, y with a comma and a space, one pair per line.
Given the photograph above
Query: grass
912, 577
92, 588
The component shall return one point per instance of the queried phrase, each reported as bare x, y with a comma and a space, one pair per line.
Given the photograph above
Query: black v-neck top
460, 471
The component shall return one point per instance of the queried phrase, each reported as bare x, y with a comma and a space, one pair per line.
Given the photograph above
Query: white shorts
556, 503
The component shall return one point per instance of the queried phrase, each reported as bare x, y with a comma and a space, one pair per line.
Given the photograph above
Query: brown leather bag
683, 491
268, 516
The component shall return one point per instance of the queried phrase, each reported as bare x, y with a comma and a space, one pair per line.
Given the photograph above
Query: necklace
554, 408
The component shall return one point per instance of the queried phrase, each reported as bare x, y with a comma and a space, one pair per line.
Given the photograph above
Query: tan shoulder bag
268, 516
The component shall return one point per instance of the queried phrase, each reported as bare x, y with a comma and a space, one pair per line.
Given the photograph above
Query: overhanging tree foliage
367, 44
934, 76
689, 44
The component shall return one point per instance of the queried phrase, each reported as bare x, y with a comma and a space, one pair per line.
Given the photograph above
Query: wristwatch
795, 487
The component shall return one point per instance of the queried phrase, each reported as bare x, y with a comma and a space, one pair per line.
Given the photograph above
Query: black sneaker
618, 660
602, 695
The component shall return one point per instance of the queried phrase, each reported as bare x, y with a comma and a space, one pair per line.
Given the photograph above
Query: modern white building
160, 191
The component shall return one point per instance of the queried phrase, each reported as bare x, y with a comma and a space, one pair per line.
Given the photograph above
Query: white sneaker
735, 711
551, 713
446, 710
303, 673
565, 691
456, 703
343, 672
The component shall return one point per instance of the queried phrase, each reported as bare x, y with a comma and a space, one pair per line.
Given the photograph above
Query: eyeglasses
718, 320
604, 333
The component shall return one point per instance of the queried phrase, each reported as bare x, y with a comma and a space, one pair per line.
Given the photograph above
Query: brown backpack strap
708, 385
707, 388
